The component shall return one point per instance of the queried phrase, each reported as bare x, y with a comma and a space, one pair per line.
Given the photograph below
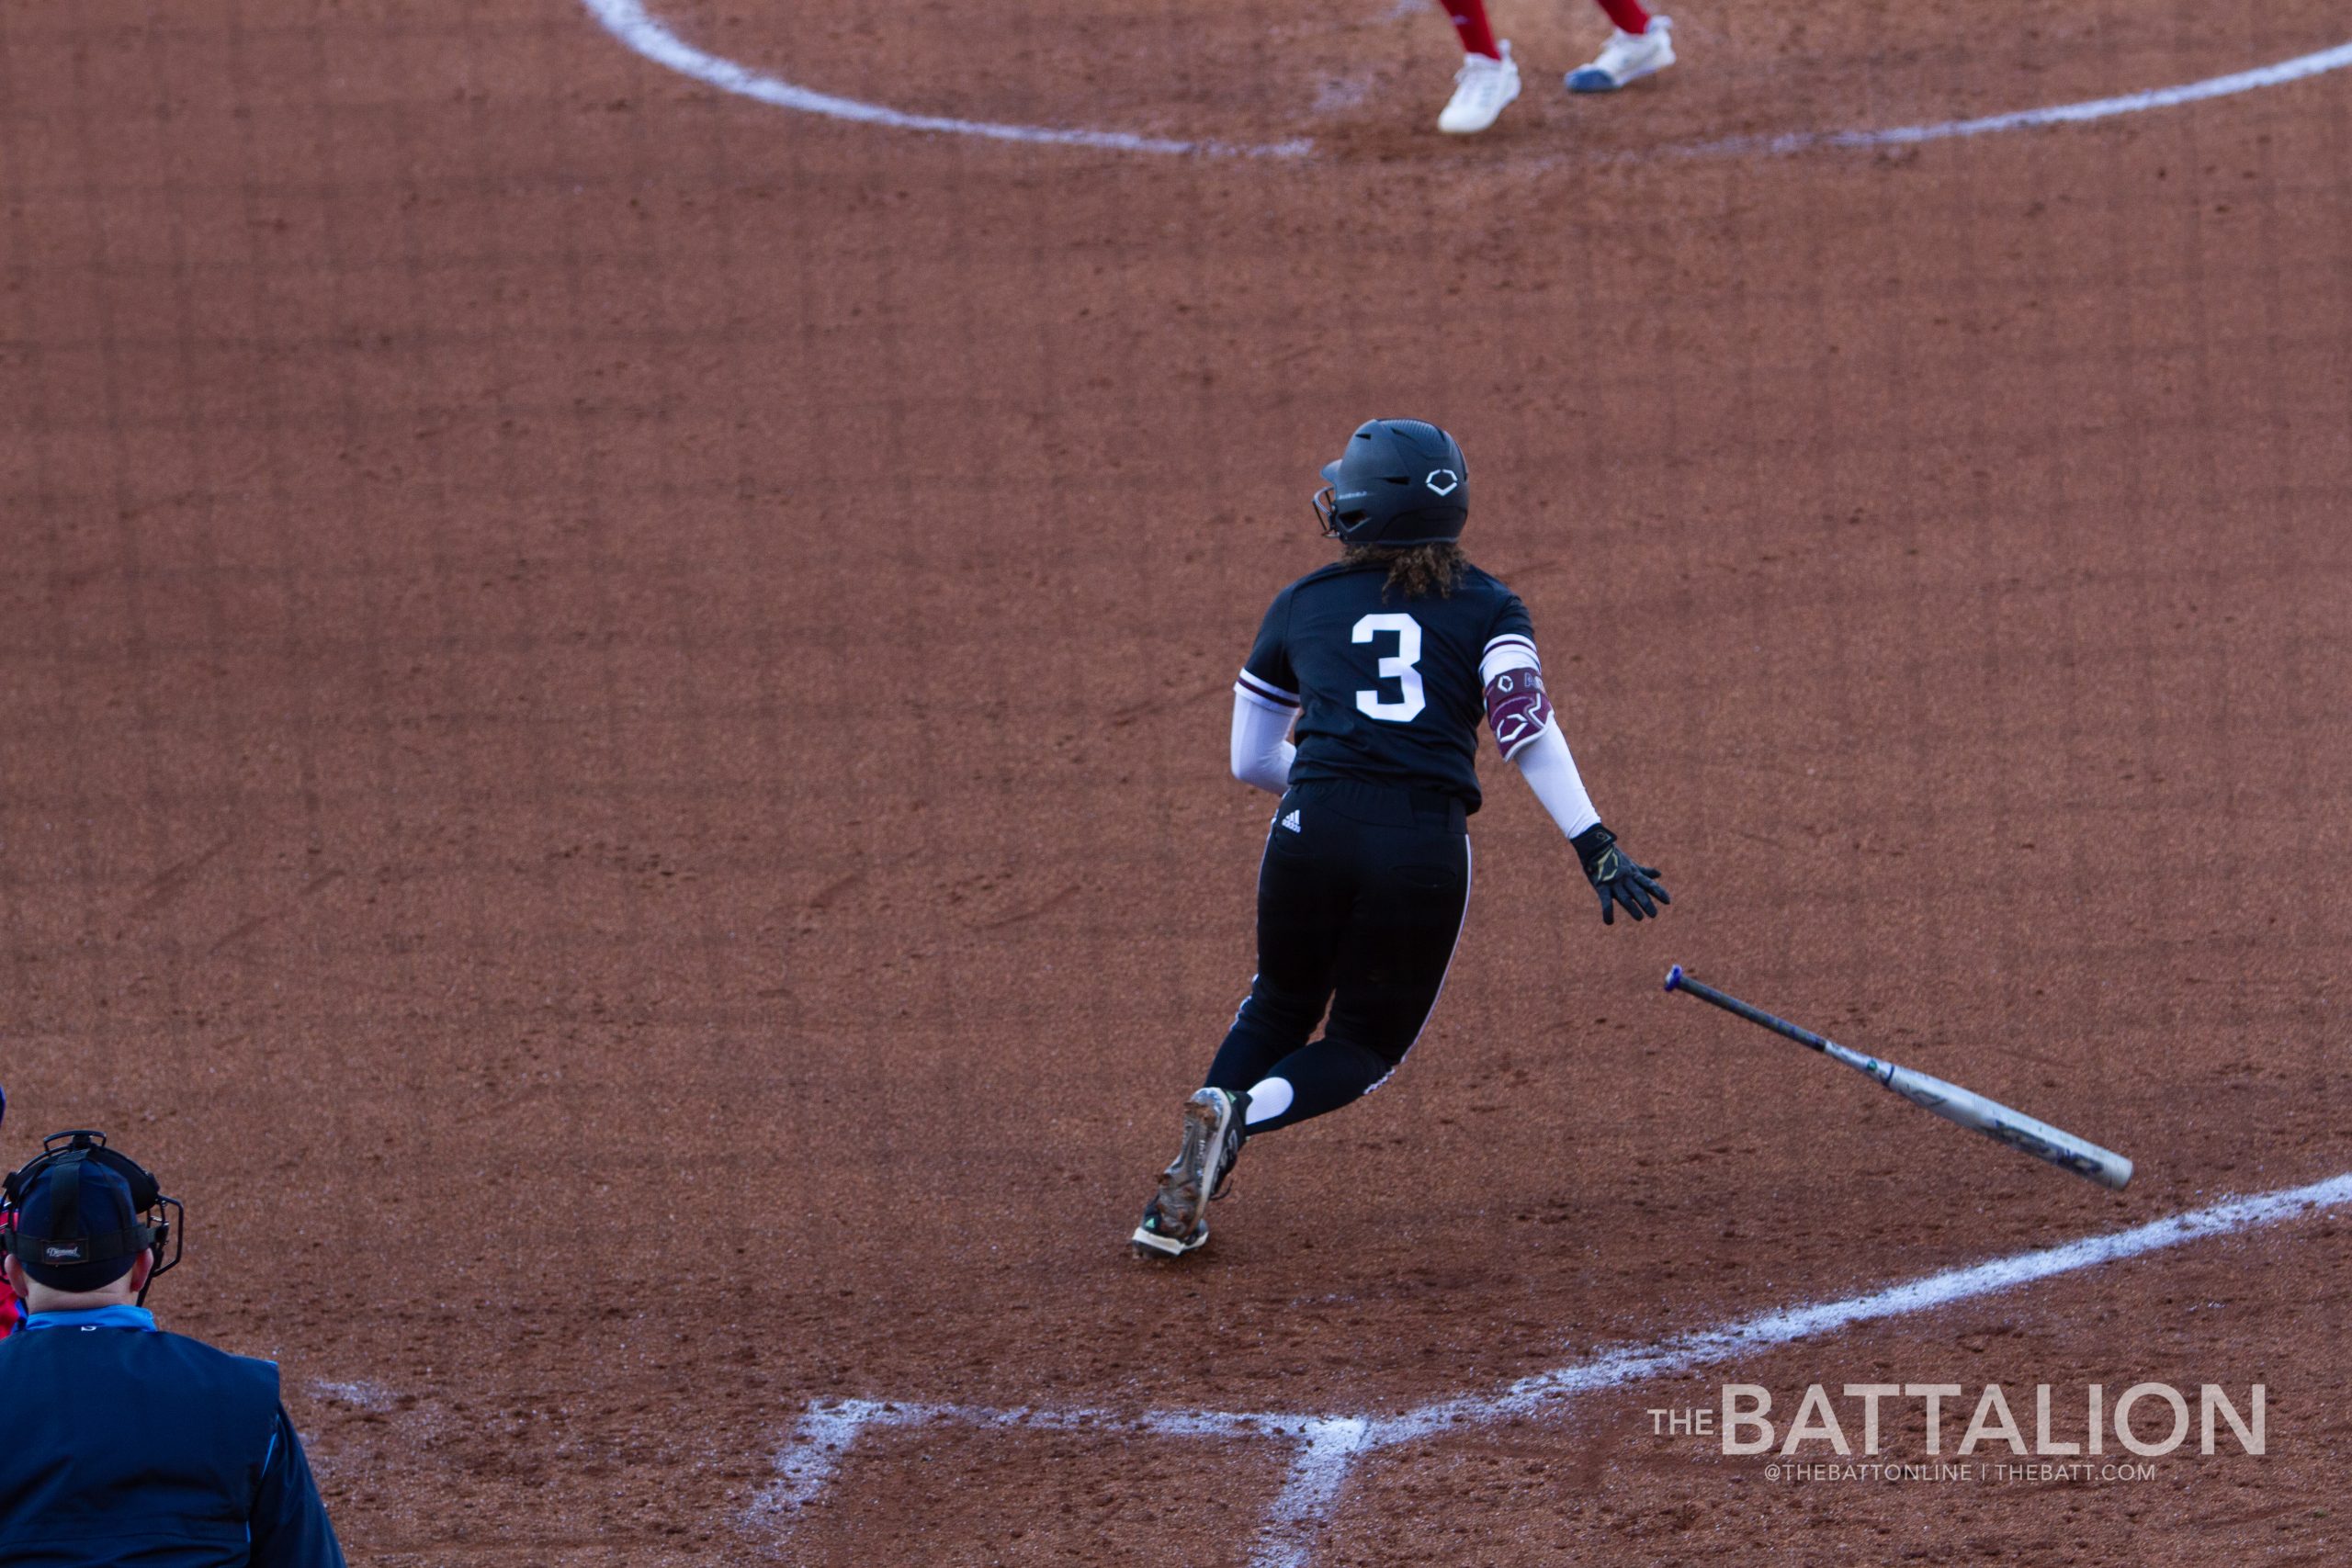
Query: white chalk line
1326, 1446
629, 21
2295, 70
638, 30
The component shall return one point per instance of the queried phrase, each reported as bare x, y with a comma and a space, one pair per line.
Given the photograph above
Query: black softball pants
1361, 897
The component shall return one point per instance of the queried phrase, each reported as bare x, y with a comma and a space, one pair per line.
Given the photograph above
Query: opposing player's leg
1489, 79
1641, 45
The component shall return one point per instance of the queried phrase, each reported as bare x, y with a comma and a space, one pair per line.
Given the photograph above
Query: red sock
1478, 33
1628, 15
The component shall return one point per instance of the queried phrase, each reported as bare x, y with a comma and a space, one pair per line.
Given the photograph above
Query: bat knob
1674, 979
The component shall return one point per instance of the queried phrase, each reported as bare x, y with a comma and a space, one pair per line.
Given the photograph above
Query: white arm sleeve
1551, 773
1261, 749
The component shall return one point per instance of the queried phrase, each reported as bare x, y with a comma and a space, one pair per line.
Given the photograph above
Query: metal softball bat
1949, 1101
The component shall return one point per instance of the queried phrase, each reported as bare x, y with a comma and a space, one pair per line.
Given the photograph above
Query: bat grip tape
1678, 981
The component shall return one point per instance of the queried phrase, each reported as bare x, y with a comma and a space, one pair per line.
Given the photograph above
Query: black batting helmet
1401, 481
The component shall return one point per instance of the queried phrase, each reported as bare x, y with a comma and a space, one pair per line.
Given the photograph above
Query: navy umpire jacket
124, 1445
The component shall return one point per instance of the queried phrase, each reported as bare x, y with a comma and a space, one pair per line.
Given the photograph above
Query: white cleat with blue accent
1627, 57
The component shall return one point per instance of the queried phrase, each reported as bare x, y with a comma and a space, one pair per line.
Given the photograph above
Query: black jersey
1388, 692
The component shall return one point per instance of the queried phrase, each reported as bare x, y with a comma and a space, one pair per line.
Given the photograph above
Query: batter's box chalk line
1324, 1448
640, 31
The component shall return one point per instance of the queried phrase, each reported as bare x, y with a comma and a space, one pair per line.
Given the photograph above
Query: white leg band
1268, 1100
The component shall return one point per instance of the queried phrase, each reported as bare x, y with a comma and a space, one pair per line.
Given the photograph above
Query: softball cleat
1627, 57
1175, 1221
1481, 88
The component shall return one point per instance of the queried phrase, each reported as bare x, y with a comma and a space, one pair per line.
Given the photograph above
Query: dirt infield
613, 706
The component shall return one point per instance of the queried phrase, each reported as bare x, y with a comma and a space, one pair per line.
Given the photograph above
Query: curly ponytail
1415, 571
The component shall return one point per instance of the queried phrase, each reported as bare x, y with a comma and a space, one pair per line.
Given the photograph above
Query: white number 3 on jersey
1408, 632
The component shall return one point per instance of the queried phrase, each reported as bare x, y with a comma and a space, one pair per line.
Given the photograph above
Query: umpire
119, 1443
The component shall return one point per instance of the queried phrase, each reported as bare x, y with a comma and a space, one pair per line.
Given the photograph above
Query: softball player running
1386, 661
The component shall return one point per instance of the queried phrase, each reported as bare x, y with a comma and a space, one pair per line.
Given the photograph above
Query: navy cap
76, 1226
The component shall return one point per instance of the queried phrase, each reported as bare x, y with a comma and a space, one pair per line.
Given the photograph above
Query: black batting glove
1616, 878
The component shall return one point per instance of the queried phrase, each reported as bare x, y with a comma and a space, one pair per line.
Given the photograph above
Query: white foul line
640, 31
629, 21
2286, 70
1327, 1447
